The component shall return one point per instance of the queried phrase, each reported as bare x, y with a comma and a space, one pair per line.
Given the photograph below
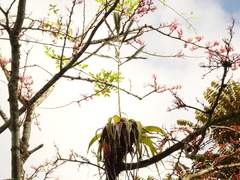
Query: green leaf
117, 22
183, 122
154, 129
116, 118
93, 140
147, 141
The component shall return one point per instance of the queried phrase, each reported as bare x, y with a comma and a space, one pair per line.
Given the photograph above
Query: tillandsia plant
122, 137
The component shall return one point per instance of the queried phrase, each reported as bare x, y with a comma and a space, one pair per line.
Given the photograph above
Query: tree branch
3, 115
5, 126
210, 169
35, 149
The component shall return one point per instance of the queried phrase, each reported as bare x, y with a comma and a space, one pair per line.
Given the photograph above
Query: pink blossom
177, 87
4, 61
193, 48
70, 155
142, 9
216, 43
189, 39
145, 6
222, 49
180, 54
180, 33
234, 67
199, 38
185, 45
139, 41
154, 76
173, 26
229, 48
208, 44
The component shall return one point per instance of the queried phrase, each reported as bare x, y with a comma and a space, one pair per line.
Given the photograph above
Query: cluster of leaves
126, 6
120, 137
228, 102
57, 29
104, 80
50, 52
61, 59
219, 161
226, 149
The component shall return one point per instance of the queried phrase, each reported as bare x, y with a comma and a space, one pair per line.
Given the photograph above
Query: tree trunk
13, 102
13, 92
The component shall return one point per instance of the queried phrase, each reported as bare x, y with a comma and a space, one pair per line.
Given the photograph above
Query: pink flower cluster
161, 88
222, 56
191, 41
139, 41
173, 26
145, 6
236, 65
199, 38
4, 62
25, 90
180, 33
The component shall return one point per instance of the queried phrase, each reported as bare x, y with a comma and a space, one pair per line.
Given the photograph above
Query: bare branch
3, 115
5, 126
211, 169
35, 149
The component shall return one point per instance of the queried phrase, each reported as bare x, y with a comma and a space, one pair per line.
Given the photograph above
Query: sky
72, 127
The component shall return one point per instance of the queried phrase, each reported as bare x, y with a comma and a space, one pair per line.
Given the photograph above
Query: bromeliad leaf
147, 140
154, 129
93, 140
116, 118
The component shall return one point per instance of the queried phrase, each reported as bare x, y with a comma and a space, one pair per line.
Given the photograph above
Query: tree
72, 44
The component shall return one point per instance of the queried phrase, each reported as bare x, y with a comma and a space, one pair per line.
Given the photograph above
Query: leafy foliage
228, 102
183, 122
50, 52
104, 80
226, 149
124, 6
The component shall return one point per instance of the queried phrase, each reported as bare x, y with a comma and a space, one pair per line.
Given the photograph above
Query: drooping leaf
93, 140
139, 126
154, 129
147, 141
116, 118
117, 21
